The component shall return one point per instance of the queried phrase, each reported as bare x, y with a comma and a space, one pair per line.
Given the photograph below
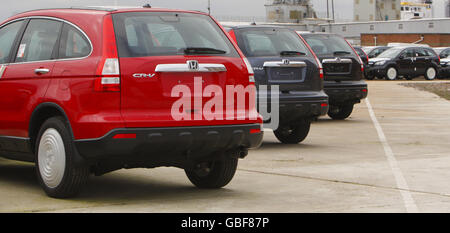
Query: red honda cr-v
93, 90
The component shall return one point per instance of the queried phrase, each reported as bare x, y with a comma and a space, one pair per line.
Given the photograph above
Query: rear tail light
109, 81
108, 71
357, 55
319, 64
111, 67
251, 73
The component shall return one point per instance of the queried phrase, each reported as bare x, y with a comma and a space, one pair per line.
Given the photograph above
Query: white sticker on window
21, 51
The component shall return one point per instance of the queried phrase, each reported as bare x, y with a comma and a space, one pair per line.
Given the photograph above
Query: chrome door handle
41, 71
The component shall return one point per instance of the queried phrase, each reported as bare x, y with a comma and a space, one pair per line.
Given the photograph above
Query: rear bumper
346, 92
296, 105
168, 145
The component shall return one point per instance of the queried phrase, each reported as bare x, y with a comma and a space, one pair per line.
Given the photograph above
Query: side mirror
402, 57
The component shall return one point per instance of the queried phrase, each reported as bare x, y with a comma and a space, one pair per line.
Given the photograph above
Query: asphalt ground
391, 155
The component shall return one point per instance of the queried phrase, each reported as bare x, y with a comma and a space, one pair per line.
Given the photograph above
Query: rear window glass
424, 53
269, 42
73, 43
164, 34
328, 44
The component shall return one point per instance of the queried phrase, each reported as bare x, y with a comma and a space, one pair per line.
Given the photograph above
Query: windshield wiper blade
341, 52
284, 53
200, 50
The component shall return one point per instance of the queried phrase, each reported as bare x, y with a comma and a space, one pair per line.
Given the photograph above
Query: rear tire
340, 112
219, 173
430, 73
55, 167
294, 133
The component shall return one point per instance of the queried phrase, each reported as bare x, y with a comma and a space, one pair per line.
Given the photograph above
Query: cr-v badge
144, 75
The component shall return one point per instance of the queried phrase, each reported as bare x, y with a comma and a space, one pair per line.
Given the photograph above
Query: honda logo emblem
286, 62
193, 65
338, 59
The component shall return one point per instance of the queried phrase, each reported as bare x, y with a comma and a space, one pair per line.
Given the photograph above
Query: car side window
74, 43
8, 35
423, 53
39, 40
408, 53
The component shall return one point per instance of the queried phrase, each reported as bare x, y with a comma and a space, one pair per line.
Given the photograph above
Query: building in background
288, 11
447, 9
416, 9
376, 10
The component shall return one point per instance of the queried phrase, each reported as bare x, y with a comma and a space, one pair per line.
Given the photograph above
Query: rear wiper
287, 53
199, 50
341, 52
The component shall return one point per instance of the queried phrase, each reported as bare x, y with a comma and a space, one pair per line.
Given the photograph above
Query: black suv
280, 59
372, 52
408, 62
443, 52
343, 71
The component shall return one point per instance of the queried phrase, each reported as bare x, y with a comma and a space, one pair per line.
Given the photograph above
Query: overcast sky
220, 8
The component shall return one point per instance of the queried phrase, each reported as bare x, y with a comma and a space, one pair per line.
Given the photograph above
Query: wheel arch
40, 114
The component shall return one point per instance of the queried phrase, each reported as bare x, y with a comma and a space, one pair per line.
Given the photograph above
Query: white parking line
408, 200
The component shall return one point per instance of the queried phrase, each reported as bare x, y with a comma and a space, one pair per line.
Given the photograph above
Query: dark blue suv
282, 61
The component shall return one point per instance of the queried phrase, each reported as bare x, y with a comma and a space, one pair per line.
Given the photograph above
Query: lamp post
332, 9
209, 7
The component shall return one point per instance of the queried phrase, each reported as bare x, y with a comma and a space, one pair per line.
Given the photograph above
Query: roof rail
106, 8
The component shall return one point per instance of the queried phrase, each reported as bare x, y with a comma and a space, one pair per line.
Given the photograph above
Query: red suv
92, 91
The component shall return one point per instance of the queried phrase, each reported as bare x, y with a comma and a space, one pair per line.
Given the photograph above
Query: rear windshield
270, 42
143, 34
328, 44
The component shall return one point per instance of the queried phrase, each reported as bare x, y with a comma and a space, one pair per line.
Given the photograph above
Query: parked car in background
444, 72
374, 51
343, 72
280, 57
91, 91
443, 52
408, 62
363, 55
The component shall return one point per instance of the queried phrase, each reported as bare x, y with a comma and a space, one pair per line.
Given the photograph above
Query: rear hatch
279, 57
339, 60
164, 54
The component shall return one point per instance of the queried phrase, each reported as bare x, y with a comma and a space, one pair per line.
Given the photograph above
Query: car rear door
167, 56
25, 80
423, 60
406, 62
